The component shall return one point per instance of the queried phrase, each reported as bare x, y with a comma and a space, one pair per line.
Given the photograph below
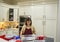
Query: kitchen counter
35, 41
47, 40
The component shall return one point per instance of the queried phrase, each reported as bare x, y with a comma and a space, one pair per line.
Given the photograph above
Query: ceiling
15, 2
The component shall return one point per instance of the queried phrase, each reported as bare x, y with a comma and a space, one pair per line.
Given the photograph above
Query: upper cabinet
11, 14
37, 11
16, 14
6, 14
51, 11
25, 10
3, 13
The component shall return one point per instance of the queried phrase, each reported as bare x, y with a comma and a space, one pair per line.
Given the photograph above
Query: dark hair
28, 19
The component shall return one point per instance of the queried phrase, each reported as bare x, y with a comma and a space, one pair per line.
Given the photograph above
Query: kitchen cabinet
51, 11
44, 18
38, 26
37, 12
3, 13
50, 28
25, 10
51, 20
37, 18
15, 14
11, 14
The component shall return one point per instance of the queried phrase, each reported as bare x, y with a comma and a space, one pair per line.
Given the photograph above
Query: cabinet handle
44, 22
44, 17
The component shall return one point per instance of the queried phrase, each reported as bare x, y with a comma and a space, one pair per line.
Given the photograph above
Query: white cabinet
38, 26
0, 14
37, 11
37, 18
50, 28
21, 11
51, 20
16, 14
44, 18
51, 11
51, 17
3, 13
26, 10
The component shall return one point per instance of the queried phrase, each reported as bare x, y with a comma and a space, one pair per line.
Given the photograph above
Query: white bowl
30, 37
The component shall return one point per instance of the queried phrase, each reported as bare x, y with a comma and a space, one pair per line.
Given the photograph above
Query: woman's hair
28, 19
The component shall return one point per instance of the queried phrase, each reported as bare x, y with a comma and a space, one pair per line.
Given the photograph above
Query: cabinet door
4, 13
37, 11
51, 11
51, 17
27, 10
50, 29
38, 26
16, 14
21, 11
11, 14
0, 14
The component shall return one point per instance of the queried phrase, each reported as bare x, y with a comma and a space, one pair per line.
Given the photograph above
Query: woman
28, 29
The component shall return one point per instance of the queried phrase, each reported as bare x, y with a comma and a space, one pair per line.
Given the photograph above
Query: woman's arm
22, 31
34, 31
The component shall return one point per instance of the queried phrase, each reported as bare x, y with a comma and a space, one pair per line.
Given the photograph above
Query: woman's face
28, 22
